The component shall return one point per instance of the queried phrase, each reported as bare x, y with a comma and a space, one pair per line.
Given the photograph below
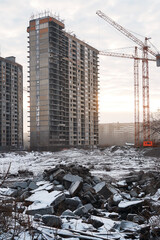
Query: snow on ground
115, 162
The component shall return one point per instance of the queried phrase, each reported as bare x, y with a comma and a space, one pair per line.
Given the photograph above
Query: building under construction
11, 104
63, 87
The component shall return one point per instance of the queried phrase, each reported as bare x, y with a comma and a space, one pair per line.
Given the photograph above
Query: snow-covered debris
126, 204
79, 203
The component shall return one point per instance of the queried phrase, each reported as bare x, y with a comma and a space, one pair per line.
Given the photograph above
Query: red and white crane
136, 87
145, 75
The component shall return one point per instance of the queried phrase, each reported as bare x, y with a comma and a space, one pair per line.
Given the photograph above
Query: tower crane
145, 73
136, 87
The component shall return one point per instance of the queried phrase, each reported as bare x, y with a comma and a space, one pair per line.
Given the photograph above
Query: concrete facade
11, 104
63, 87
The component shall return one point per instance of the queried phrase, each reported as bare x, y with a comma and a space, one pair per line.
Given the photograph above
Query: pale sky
116, 98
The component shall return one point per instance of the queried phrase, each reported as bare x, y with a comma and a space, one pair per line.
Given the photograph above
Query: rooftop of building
47, 16
11, 60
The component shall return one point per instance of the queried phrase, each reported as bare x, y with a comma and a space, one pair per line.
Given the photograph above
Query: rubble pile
68, 199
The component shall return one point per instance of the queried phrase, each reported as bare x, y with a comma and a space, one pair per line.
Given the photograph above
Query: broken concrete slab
81, 211
73, 203
58, 199
24, 195
87, 187
127, 204
129, 226
58, 173
96, 223
72, 178
42, 199
41, 211
102, 189
20, 185
68, 213
52, 221
88, 207
75, 188
59, 187
32, 186
117, 198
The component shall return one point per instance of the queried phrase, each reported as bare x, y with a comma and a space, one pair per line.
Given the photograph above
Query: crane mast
136, 100
136, 88
145, 78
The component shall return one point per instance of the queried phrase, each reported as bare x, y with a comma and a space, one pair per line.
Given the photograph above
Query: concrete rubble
68, 195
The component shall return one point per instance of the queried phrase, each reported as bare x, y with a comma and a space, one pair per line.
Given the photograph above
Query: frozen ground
115, 162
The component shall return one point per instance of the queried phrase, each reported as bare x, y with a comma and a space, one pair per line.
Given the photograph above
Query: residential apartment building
11, 104
116, 134
63, 87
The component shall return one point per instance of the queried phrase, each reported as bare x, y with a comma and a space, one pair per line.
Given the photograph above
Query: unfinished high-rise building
63, 76
11, 104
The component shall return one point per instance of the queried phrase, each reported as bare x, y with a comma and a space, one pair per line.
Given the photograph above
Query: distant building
116, 134
11, 104
63, 87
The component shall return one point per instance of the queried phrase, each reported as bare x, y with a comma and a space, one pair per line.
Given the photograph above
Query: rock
68, 213
122, 183
20, 185
88, 207
25, 173
55, 182
60, 198
146, 213
96, 223
113, 216
145, 232
87, 187
130, 204
129, 226
141, 194
117, 198
58, 174
133, 178
102, 189
17, 193
81, 211
32, 186
72, 178
59, 187
37, 217
41, 211
133, 193
24, 195
126, 195
75, 188
51, 178
52, 221
130, 216
73, 203
89, 198
96, 212
96, 180
139, 219
54, 174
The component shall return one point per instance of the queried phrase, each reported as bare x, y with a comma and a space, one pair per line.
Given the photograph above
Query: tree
155, 126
